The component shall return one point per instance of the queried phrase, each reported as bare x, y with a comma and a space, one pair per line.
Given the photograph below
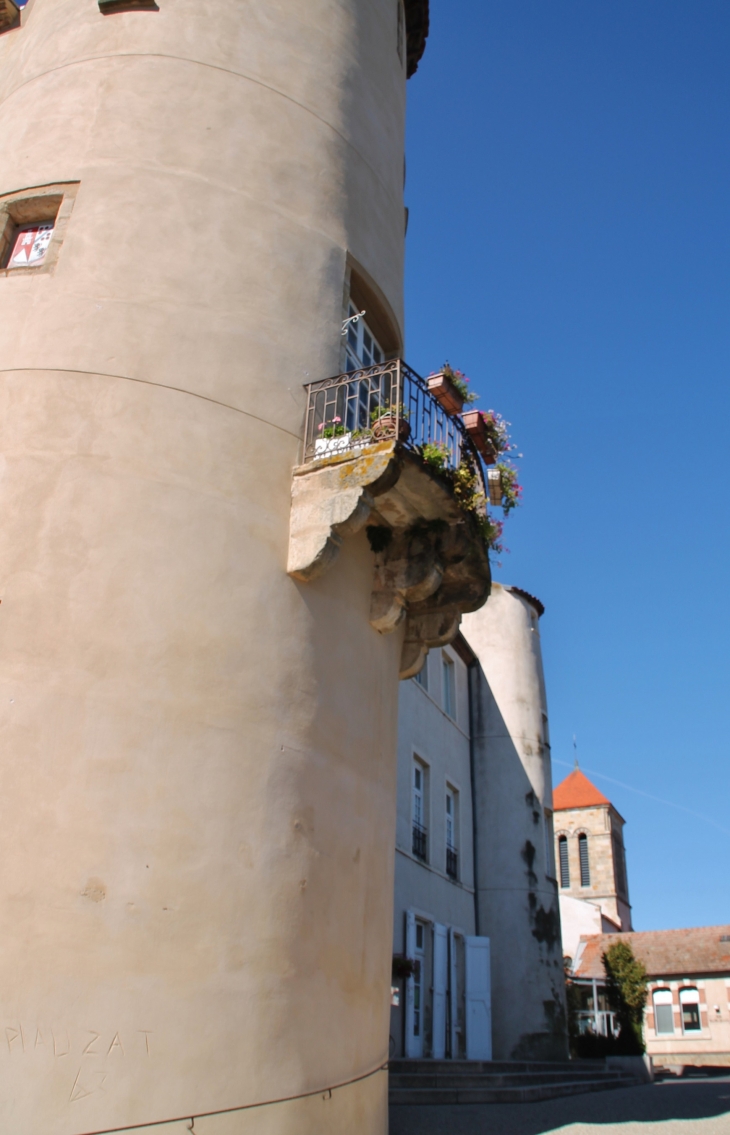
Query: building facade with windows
591, 862
687, 1015
476, 909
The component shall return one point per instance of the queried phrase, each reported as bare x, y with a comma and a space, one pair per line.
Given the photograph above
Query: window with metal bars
585, 869
564, 863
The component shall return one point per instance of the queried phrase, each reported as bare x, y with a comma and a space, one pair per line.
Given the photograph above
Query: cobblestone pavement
670, 1107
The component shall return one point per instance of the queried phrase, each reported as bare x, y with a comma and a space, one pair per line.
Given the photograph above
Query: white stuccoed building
476, 904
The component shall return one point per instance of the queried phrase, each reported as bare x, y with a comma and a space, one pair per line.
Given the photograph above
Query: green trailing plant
626, 992
511, 488
435, 455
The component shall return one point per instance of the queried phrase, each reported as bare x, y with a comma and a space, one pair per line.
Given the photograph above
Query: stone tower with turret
591, 861
206, 609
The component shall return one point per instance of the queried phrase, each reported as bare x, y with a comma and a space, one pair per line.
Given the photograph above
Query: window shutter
585, 871
564, 864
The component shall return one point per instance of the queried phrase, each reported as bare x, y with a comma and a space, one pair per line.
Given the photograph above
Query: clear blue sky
569, 248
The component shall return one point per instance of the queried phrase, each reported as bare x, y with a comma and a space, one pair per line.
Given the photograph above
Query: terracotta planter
476, 428
445, 393
385, 427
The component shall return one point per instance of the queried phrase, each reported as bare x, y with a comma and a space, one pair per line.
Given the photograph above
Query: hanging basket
443, 390
476, 427
494, 483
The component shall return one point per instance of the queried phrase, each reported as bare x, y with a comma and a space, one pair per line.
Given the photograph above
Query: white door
440, 985
478, 999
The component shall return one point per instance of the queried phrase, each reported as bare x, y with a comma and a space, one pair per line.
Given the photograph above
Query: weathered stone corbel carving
431, 565
331, 499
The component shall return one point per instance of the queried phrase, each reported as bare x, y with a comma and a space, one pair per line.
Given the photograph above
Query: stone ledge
431, 564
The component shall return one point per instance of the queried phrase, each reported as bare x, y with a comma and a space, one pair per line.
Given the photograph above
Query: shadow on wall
517, 900
651, 1103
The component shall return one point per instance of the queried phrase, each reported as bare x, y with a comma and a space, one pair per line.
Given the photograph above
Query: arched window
563, 859
663, 1012
585, 870
689, 999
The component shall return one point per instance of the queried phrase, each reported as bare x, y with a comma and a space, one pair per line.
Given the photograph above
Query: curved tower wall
197, 786
517, 901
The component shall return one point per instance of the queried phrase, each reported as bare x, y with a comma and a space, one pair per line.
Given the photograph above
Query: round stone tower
198, 776
517, 900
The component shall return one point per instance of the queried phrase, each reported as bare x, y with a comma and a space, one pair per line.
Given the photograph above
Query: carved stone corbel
332, 499
431, 564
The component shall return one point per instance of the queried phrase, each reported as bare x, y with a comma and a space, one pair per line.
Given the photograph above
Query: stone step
461, 1080
568, 1067
528, 1094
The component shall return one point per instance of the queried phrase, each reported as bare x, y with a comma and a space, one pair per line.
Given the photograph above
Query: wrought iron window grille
452, 862
385, 402
419, 841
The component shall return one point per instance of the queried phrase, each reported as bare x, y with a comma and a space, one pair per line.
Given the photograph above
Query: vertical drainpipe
472, 681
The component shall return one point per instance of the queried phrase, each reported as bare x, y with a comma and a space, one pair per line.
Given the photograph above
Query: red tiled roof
576, 791
665, 953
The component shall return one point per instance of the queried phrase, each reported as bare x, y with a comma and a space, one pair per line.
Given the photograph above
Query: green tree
626, 990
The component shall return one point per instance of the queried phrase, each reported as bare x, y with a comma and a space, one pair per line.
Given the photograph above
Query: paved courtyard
671, 1107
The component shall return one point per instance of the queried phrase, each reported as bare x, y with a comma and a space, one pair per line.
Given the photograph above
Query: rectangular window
452, 854
449, 685
663, 1012
689, 1000
420, 846
422, 676
32, 227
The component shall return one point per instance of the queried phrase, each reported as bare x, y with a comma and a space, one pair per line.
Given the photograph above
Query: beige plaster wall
197, 792
517, 898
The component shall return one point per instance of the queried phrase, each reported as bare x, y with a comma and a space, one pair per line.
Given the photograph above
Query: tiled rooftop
576, 791
665, 953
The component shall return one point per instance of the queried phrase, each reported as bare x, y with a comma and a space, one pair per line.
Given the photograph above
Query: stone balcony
367, 437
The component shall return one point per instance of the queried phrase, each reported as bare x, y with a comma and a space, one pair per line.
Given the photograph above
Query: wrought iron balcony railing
419, 841
452, 863
384, 402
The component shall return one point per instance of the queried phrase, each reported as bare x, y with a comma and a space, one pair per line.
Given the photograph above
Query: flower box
326, 446
476, 427
445, 393
494, 484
